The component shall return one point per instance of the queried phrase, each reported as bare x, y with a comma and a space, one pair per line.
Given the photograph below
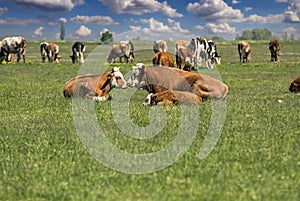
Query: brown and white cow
94, 86
274, 48
244, 49
13, 45
184, 57
294, 86
159, 79
163, 59
123, 49
160, 46
50, 51
171, 97
78, 49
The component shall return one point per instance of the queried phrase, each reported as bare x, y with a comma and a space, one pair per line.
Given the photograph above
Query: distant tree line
256, 34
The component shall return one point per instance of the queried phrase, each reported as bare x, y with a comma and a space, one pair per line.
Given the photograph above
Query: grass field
257, 157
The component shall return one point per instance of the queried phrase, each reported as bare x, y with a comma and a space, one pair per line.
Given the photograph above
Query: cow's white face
118, 79
147, 102
135, 79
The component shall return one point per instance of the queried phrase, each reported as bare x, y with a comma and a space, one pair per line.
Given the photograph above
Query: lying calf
95, 87
169, 97
294, 86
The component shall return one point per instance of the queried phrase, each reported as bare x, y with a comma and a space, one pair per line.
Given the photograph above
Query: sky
86, 20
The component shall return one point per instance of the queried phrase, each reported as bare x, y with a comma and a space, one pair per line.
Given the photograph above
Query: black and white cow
204, 50
13, 45
50, 51
78, 49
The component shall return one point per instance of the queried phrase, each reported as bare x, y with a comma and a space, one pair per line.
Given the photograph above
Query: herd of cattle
164, 83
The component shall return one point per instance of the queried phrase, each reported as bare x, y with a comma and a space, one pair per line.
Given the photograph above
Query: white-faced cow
274, 48
171, 97
50, 51
78, 49
244, 50
159, 79
96, 87
294, 86
123, 49
13, 45
163, 59
204, 50
160, 46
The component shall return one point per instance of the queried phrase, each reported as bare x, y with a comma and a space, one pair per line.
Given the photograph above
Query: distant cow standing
163, 59
244, 50
274, 48
184, 59
13, 45
49, 50
123, 49
78, 49
294, 86
160, 46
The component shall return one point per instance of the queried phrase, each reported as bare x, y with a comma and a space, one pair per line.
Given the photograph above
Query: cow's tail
69, 88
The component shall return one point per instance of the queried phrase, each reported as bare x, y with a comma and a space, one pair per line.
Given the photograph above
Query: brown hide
274, 48
170, 97
89, 86
244, 50
159, 79
294, 86
163, 59
183, 55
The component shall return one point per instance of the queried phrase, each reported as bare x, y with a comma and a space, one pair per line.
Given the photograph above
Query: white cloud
247, 9
214, 10
135, 28
235, 1
49, 5
38, 32
199, 27
3, 10
99, 20
270, 19
18, 22
62, 20
139, 7
83, 31
220, 28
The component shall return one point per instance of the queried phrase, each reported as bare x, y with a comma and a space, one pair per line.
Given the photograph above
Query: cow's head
118, 79
136, 77
148, 100
294, 86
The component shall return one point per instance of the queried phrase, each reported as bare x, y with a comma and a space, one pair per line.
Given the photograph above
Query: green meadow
43, 155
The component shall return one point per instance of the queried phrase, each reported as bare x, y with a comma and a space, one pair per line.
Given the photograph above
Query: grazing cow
13, 45
204, 50
159, 79
163, 59
123, 49
294, 86
78, 48
170, 97
160, 46
96, 87
49, 50
274, 48
244, 50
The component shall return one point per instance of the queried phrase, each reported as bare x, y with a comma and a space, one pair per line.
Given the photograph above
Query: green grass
257, 156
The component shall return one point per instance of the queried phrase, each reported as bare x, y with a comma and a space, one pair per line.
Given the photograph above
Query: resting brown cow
244, 50
159, 79
274, 48
96, 87
171, 97
163, 59
294, 86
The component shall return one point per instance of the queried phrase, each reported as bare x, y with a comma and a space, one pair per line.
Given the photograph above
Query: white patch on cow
134, 77
99, 98
118, 74
147, 102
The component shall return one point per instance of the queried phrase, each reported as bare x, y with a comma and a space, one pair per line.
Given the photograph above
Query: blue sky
149, 19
